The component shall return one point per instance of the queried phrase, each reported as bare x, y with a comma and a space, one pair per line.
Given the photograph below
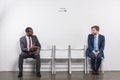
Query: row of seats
68, 55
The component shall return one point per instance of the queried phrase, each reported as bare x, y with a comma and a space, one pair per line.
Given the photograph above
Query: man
96, 43
30, 48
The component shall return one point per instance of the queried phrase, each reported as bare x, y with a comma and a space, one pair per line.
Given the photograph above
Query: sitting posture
96, 43
30, 48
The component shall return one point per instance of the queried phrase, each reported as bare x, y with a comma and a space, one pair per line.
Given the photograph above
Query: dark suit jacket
101, 44
23, 43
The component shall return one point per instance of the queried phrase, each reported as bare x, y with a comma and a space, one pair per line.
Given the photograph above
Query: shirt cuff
98, 51
93, 51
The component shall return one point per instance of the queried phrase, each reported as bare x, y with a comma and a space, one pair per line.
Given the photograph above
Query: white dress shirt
27, 38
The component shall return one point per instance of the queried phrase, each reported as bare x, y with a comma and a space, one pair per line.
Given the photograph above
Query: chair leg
69, 66
69, 60
85, 66
101, 68
87, 62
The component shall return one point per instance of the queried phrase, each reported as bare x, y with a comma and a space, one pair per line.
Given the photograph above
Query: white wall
53, 26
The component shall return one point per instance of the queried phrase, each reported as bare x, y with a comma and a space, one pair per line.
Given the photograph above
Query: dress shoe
20, 74
97, 73
38, 74
93, 72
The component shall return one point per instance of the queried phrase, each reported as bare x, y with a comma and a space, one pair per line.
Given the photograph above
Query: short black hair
96, 27
27, 29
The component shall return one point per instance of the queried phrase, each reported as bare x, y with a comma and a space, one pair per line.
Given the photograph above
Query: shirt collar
27, 36
96, 35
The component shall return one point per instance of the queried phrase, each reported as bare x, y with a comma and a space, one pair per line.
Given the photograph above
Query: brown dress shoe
97, 73
93, 72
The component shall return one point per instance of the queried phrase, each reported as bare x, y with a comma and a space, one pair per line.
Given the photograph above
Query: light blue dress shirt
96, 43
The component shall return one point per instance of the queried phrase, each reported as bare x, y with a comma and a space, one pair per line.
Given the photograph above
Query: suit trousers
95, 61
33, 55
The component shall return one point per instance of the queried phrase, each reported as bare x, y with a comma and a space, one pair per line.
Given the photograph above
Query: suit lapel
92, 39
98, 40
33, 41
25, 41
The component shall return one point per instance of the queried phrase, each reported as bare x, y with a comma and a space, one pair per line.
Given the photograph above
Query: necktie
95, 43
29, 42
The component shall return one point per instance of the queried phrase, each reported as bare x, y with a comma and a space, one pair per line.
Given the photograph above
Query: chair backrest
61, 52
78, 52
46, 53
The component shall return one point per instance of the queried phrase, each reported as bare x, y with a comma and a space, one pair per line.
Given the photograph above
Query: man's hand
33, 48
95, 53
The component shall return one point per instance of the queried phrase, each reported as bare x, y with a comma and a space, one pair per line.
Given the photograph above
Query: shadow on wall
17, 50
15, 63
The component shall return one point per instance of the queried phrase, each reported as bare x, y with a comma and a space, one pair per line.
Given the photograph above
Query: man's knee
99, 58
92, 57
37, 56
21, 55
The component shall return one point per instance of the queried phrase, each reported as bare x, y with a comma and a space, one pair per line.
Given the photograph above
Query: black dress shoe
38, 75
20, 74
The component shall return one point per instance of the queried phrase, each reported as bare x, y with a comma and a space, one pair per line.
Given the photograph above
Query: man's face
94, 31
30, 32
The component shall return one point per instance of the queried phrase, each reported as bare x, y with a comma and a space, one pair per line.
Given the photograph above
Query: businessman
96, 43
30, 48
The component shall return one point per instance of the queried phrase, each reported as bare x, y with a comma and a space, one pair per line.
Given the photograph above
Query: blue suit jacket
101, 44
